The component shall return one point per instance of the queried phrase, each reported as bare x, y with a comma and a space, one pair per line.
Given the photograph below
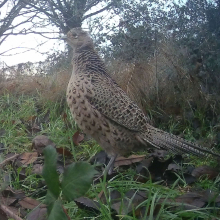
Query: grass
174, 101
19, 112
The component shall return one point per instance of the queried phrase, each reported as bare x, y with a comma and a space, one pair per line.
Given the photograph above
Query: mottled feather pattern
104, 111
109, 98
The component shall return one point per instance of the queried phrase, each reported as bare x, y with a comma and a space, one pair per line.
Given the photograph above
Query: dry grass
163, 82
51, 87
164, 88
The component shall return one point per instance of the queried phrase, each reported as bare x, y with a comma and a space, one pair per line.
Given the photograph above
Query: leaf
28, 157
77, 180
174, 167
131, 200
40, 213
7, 200
31, 118
57, 213
49, 171
40, 142
29, 203
49, 201
64, 151
124, 161
190, 200
113, 196
77, 138
210, 172
100, 158
8, 158
9, 192
37, 169
142, 170
88, 204
170, 177
3, 215
12, 212
158, 167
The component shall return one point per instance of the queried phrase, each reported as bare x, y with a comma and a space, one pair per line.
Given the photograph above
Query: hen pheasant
105, 112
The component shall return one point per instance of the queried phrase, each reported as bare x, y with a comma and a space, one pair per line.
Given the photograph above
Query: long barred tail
163, 140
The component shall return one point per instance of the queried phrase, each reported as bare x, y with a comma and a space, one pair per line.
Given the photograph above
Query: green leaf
57, 213
49, 201
49, 171
77, 180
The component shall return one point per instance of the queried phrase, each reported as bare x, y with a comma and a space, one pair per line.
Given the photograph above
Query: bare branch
11, 16
52, 16
9, 212
3, 39
2, 4
3, 163
97, 12
33, 32
89, 6
37, 8
27, 50
37, 15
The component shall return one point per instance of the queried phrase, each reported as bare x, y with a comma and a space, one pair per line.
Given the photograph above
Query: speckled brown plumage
104, 111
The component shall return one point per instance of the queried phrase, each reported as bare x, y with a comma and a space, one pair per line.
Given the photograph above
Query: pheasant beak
63, 37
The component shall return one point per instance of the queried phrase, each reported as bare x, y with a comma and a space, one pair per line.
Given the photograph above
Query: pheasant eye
74, 35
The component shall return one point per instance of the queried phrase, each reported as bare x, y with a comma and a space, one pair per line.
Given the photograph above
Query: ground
125, 195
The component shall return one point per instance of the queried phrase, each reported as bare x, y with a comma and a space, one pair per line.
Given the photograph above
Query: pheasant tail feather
163, 140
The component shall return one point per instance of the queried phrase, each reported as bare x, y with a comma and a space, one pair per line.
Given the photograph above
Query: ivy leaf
50, 201
77, 180
57, 212
49, 170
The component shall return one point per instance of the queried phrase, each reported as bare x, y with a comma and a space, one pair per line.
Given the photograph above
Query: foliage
76, 182
144, 24
19, 116
172, 56
198, 30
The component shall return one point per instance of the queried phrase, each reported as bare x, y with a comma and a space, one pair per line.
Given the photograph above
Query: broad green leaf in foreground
49, 171
57, 213
50, 201
77, 180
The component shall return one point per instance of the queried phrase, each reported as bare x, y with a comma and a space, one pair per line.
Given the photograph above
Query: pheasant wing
113, 102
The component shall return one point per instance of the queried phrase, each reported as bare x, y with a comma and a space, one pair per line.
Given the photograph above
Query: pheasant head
78, 39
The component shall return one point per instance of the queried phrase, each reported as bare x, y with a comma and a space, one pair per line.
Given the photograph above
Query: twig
9, 213
8, 159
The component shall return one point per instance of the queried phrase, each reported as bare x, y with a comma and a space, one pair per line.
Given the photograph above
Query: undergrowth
20, 113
